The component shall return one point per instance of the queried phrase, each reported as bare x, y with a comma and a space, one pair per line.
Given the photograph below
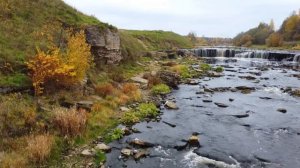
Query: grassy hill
20, 20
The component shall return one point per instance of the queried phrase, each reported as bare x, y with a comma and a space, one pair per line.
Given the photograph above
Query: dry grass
13, 160
39, 147
104, 89
132, 91
70, 122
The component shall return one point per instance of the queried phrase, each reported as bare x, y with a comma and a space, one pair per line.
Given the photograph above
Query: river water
250, 132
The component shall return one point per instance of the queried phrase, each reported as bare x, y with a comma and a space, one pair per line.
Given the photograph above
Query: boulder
87, 152
169, 78
103, 147
140, 154
124, 109
282, 110
140, 143
171, 105
126, 152
87, 105
194, 141
221, 105
139, 80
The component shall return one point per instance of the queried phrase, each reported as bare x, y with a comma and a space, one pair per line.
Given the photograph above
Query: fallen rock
139, 80
140, 154
140, 143
207, 101
265, 98
171, 105
169, 78
103, 147
282, 110
124, 109
87, 105
221, 105
87, 152
194, 141
126, 152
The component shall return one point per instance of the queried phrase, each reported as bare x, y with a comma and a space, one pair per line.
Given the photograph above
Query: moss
160, 89
15, 80
147, 110
205, 67
219, 69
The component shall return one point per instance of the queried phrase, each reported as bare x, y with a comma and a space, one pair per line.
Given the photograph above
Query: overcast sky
213, 18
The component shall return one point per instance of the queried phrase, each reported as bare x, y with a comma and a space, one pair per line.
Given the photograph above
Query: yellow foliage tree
62, 68
78, 54
274, 40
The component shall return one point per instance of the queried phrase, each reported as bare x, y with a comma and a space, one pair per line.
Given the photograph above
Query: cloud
205, 17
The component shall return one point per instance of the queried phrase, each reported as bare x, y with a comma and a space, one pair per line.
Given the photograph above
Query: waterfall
296, 58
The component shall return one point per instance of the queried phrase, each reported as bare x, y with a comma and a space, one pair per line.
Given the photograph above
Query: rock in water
230, 99
221, 105
207, 101
169, 78
194, 141
282, 110
126, 152
140, 143
141, 153
171, 105
103, 147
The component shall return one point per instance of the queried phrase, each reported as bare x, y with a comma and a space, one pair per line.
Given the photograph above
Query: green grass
15, 80
160, 89
21, 19
160, 40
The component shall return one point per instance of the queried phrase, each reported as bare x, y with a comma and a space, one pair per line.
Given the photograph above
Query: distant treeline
265, 34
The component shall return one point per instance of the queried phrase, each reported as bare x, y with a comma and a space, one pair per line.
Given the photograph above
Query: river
250, 132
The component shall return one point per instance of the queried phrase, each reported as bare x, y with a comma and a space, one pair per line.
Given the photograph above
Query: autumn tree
272, 25
274, 40
193, 37
62, 66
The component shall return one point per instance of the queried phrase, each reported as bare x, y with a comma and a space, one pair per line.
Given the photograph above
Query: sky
210, 18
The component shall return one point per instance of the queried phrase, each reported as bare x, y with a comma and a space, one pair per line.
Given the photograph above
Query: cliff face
105, 45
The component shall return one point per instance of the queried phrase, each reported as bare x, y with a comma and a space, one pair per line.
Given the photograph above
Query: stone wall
105, 45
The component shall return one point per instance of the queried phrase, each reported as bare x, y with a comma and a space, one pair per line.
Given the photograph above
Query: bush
17, 115
181, 70
12, 160
160, 89
147, 110
116, 134
104, 89
130, 118
205, 67
219, 69
69, 122
39, 147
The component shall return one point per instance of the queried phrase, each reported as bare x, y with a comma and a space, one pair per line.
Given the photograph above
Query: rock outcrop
105, 45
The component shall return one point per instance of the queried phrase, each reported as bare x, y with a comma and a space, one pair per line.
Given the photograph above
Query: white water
192, 160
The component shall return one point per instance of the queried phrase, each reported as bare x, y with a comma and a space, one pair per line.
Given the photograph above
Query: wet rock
139, 79
245, 88
87, 105
103, 147
282, 110
140, 143
87, 152
200, 92
140, 154
199, 106
214, 74
126, 152
241, 115
169, 124
221, 89
169, 78
192, 82
296, 92
207, 101
262, 159
171, 105
221, 105
255, 73
194, 141
215, 155
208, 90
265, 98
247, 77
231, 99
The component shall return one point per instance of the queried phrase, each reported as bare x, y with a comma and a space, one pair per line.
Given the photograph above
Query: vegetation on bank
264, 35
159, 40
